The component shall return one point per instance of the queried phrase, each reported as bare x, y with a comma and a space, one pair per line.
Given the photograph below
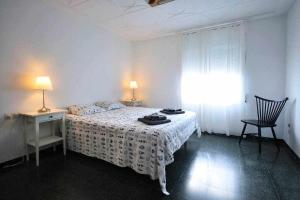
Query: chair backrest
269, 110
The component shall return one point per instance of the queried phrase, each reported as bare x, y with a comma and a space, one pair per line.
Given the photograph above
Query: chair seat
258, 123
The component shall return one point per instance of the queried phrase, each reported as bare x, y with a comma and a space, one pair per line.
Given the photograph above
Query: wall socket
10, 116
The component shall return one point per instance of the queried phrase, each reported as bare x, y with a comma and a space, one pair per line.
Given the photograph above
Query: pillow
86, 109
107, 105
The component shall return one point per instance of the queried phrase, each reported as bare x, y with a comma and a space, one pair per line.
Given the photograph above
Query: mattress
117, 137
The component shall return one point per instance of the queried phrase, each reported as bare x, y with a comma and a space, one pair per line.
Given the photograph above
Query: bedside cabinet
36, 119
133, 103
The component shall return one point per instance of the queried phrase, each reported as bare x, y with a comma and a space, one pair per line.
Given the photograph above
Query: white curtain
212, 77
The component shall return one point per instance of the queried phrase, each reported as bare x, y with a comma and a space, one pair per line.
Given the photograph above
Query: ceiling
136, 20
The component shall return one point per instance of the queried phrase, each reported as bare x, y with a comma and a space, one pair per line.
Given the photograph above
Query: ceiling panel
98, 10
136, 20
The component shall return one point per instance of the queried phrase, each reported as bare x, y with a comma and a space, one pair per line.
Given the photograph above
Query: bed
117, 137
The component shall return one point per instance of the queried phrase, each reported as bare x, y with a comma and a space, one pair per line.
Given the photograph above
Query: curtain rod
193, 30
256, 17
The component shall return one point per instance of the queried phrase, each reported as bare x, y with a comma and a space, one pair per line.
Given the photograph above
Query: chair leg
243, 132
275, 138
259, 139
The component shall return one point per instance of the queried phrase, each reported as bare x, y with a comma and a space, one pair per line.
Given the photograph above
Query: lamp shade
43, 83
133, 85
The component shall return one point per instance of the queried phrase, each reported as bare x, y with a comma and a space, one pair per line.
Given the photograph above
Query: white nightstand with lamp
43, 115
133, 102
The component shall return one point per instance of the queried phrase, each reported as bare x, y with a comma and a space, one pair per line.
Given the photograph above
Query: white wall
157, 69
292, 136
265, 64
85, 63
157, 66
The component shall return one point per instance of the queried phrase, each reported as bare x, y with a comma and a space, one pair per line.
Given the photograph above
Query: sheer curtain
212, 77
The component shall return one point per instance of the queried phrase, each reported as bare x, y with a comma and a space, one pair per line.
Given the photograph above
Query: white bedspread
117, 137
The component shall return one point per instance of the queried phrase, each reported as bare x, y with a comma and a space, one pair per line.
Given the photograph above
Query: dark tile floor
212, 167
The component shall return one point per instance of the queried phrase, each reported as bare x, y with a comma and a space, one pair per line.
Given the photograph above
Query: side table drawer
50, 117
132, 103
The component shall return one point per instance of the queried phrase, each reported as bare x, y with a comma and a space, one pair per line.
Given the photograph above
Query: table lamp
43, 83
133, 85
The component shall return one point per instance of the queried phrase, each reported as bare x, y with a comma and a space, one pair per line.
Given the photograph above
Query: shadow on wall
22, 82
291, 115
18, 85
9, 125
11, 139
27, 97
125, 88
30, 68
144, 85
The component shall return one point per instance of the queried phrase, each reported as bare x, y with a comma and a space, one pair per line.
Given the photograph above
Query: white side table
37, 118
132, 103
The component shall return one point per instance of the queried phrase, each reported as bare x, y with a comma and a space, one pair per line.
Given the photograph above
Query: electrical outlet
11, 116
8, 116
246, 98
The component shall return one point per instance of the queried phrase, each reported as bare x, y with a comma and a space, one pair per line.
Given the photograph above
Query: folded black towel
172, 111
151, 122
155, 117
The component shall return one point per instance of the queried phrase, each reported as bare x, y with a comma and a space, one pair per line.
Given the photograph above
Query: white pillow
86, 109
107, 105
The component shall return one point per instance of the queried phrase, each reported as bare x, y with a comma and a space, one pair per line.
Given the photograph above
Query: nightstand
132, 103
37, 118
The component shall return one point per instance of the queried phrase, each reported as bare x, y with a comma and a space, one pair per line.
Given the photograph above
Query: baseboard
22, 159
291, 150
266, 139
248, 135
14, 162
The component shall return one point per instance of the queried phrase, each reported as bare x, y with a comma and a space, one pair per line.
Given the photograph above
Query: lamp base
44, 109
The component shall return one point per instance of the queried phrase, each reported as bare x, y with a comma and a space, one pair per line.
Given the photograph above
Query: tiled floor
212, 167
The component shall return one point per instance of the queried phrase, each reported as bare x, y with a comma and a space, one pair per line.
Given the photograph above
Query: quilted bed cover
117, 137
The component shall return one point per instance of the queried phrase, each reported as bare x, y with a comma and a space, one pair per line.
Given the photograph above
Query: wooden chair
267, 112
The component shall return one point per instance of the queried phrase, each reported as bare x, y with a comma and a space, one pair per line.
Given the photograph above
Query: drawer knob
50, 116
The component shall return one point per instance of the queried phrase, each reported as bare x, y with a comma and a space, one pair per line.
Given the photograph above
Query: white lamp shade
133, 85
43, 83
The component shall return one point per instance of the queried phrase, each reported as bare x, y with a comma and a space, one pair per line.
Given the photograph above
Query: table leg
37, 137
63, 132
25, 138
53, 128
